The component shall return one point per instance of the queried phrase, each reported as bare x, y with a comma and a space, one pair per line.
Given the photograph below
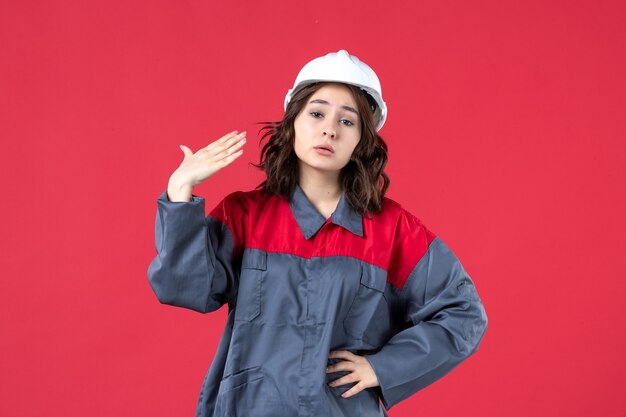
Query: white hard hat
344, 68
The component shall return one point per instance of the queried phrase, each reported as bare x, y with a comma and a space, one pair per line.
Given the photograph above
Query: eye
347, 122
316, 114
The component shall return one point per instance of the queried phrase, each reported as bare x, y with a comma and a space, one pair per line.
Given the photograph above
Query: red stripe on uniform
393, 240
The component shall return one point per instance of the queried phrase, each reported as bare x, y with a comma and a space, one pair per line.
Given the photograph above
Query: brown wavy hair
363, 178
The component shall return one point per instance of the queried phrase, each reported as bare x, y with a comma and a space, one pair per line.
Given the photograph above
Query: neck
320, 186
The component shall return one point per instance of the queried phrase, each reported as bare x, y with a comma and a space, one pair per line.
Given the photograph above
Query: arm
446, 319
194, 266
195, 255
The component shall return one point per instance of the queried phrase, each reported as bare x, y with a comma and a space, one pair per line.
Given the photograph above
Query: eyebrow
348, 108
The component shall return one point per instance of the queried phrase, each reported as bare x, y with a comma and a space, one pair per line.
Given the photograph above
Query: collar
310, 220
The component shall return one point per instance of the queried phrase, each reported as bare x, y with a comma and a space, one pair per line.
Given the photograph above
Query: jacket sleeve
195, 266
445, 321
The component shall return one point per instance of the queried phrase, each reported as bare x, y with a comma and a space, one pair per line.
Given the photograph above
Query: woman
338, 298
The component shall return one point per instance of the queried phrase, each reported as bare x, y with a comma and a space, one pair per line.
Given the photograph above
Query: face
328, 120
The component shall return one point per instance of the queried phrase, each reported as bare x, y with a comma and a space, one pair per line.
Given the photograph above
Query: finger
224, 139
227, 136
237, 143
220, 141
341, 366
218, 148
227, 161
186, 151
344, 354
231, 150
354, 390
346, 379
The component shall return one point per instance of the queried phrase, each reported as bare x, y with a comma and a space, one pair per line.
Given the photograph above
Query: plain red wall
506, 136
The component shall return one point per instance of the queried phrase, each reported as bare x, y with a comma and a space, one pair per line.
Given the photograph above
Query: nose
330, 132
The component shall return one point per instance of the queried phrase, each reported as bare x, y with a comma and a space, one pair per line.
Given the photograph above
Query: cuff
381, 389
163, 198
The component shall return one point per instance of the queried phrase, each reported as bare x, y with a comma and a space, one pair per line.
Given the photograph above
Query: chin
328, 167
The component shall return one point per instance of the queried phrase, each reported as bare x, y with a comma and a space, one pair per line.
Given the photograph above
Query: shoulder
240, 203
408, 239
393, 214
250, 199
239, 196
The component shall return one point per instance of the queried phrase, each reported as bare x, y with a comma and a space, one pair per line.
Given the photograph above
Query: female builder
338, 298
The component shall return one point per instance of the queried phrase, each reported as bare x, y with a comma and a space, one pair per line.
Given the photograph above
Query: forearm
445, 321
184, 271
418, 357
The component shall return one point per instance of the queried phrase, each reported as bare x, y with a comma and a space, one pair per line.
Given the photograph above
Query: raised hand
197, 167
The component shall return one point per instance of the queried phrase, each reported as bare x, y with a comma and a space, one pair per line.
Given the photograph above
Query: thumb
186, 150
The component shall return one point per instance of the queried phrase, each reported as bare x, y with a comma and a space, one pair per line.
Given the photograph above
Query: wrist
179, 191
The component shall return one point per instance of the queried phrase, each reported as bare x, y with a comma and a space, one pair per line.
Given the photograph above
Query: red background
506, 132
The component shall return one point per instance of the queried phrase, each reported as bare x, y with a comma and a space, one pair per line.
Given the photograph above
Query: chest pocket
253, 268
368, 318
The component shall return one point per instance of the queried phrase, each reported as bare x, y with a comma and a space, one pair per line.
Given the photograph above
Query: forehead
335, 94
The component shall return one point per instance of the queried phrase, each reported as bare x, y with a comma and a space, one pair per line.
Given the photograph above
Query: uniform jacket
298, 286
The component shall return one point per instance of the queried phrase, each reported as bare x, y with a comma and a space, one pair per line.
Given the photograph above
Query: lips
328, 147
